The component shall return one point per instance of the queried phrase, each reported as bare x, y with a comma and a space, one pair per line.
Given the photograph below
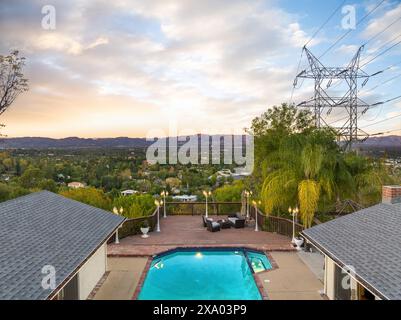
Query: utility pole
322, 103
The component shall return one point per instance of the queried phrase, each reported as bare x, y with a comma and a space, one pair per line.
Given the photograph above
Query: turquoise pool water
202, 275
259, 261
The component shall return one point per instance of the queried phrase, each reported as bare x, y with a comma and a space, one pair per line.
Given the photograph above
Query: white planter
145, 232
298, 242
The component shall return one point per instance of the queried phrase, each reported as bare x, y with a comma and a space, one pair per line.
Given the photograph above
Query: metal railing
199, 208
276, 224
132, 226
267, 223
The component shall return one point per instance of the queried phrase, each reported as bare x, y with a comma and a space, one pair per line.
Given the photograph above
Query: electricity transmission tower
322, 103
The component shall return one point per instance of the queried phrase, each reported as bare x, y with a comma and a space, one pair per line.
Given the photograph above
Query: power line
381, 32
324, 24
338, 120
381, 133
313, 36
294, 84
385, 82
349, 31
350, 74
377, 115
381, 121
380, 54
368, 41
385, 44
381, 71
391, 66
387, 101
370, 107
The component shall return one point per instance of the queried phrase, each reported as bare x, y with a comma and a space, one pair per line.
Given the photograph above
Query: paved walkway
292, 280
315, 262
122, 280
188, 231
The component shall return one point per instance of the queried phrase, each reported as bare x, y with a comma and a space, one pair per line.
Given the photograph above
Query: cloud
348, 49
128, 65
384, 28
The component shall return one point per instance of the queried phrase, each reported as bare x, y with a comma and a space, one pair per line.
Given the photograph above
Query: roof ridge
53, 194
24, 196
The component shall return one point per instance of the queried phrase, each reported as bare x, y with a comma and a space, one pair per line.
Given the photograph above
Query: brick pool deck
188, 231
290, 279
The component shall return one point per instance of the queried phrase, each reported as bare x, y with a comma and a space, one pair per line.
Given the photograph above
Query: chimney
391, 194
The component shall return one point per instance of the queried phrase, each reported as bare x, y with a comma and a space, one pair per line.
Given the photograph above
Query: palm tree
300, 171
296, 163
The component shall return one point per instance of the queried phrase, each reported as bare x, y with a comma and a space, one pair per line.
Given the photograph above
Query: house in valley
76, 185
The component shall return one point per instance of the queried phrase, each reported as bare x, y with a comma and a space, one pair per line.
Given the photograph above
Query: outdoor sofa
212, 226
236, 221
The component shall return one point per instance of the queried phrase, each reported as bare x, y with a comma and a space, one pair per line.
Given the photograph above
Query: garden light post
255, 204
164, 194
118, 212
206, 194
158, 204
293, 224
246, 204
294, 213
248, 195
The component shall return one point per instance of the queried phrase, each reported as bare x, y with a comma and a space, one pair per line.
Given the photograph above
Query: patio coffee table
224, 224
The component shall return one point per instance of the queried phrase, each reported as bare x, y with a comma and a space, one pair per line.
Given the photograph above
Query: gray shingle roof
44, 228
370, 241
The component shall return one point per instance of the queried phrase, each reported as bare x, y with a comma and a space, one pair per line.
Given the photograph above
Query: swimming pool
202, 274
258, 260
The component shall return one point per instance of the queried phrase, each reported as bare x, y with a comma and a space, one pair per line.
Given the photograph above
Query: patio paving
123, 277
292, 280
188, 231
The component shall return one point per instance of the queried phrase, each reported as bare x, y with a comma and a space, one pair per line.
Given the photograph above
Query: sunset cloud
120, 68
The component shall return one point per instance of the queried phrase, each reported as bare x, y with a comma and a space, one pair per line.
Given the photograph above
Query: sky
157, 68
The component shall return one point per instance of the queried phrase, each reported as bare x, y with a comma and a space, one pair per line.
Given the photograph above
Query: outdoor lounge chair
212, 226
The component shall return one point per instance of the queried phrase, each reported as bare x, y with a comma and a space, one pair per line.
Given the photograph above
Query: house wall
329, 277
91, 272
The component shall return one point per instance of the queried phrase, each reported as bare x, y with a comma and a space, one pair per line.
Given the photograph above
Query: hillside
75, 142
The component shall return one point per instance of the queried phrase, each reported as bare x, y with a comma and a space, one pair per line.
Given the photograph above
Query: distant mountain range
383, 142
71, 142
125, 142
75, 142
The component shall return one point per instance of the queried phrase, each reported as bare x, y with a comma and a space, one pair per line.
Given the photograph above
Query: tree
47, 184
91, 196
5, 192
11, 191
284, 119
173, 182
17, 168
271, 128
300, 171
31, 177
298, 164
135, 205
12, 81
230, 192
